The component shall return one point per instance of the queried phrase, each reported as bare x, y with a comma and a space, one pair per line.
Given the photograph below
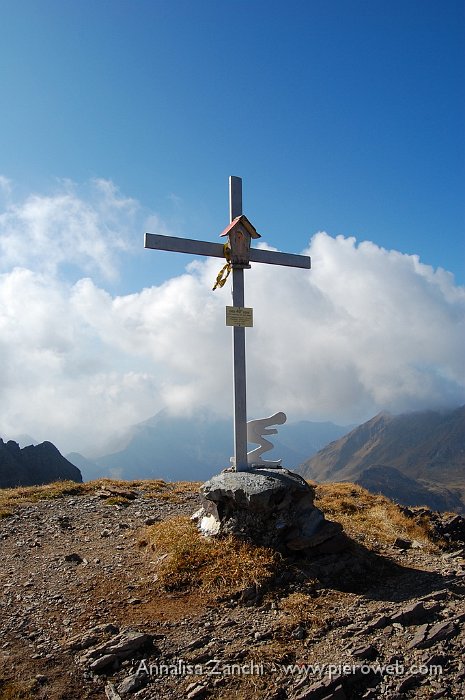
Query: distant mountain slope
194, 448
34, 465
410, 492
428, 447
89, 469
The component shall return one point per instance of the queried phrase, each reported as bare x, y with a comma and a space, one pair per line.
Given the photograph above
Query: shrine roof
243, 220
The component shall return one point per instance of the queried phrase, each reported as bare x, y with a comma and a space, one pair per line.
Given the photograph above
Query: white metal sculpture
256, 429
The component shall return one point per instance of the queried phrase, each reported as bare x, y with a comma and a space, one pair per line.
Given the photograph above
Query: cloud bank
366, 329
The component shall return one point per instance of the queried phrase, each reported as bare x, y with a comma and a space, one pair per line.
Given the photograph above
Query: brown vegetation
189, 560
11, 499
367, 517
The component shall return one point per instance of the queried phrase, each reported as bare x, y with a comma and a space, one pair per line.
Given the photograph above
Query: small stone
409, 682
299, 633
111, 693
437, 595
412, 615
74, 557
103, 662
379, 622
440, 631
127, 642
195, 690
429, 659
132, 683
419, 637
370, 694
82, 641
368, 652
262, 636
198, 642
322, 689
401, 543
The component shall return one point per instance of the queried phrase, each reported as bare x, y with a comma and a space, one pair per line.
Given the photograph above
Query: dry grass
12, 499
117, 501
367, 516
174, 491
12, 690
364, 516
299, 607
190, 560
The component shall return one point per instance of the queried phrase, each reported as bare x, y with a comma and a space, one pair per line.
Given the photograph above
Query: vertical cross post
239, 371
239, 235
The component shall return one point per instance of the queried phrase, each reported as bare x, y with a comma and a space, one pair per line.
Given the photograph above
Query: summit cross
239, 255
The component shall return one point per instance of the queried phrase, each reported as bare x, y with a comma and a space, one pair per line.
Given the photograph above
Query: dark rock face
270, 507
34, 465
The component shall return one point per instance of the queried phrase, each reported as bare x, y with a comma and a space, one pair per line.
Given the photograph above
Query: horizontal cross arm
183, 245
157, 241
273, 257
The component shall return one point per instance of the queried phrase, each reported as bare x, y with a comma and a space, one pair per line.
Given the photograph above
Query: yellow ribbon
223, 274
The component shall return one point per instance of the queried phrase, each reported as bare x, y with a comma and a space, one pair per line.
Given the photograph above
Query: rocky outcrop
447, 528
34, 465
270, 507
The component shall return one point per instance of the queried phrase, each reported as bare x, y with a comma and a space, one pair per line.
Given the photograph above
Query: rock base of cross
269, 507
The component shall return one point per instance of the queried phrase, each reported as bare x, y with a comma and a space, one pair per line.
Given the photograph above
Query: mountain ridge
428, 447
34, 465
194, 447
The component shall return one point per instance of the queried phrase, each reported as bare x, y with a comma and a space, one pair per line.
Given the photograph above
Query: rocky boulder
270, 507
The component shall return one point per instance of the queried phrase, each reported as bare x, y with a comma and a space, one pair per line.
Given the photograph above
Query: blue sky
342, 116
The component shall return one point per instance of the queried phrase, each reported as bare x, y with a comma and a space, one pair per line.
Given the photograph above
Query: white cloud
366, 329
70, 227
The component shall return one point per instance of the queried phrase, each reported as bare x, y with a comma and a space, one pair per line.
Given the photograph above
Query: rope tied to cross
225, 271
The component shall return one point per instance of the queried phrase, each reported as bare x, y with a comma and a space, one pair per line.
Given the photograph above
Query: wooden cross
239, 232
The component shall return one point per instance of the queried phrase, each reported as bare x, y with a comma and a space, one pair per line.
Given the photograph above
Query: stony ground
82, 615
